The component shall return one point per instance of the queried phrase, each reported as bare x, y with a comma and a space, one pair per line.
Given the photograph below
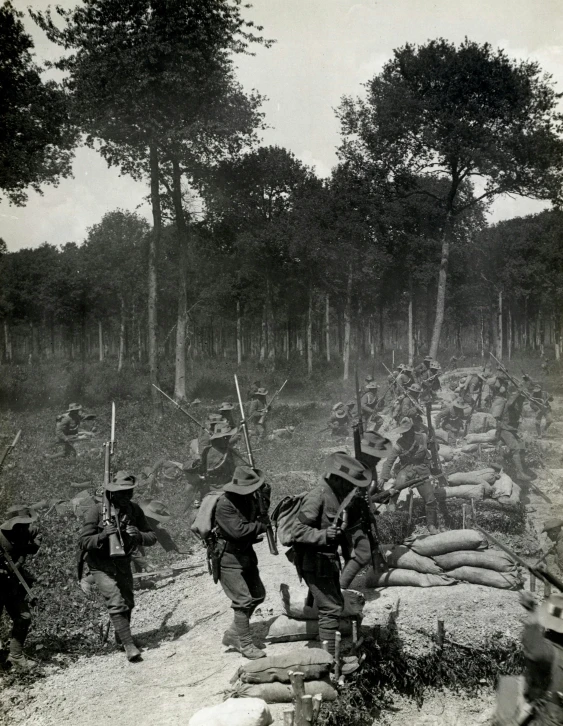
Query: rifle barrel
183, 410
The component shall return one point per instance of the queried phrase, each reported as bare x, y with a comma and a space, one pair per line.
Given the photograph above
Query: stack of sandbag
446, 453
268, 678
505, 490
479, 476
488, 437
301, 621
254, 712
481, 422
461, 555
406, 568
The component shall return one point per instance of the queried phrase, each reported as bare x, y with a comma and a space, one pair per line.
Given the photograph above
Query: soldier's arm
389, 463
148, 537
234, 524
60, 431
90, 533
305, 529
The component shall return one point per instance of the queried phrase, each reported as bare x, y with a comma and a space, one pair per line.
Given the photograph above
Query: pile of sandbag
301, 621
460, 555
268, 678
483, 484
481, 422
253, 712
505, 490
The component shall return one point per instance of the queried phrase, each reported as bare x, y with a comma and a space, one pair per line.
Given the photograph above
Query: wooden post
317, 703
411, 504
473, 516
307, 710
337, 641
546, 589
532, 582
463, 514
324, 645
298, 685
355, 630
288, 715
441, 634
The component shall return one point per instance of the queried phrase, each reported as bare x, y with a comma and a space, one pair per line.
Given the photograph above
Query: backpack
284, 515
204, 521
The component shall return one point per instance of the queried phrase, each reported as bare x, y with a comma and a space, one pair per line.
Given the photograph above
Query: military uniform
340, 421
317, 537
369, 403
423, 367
451, 421
19, 537
405, 408
218, 459
498, 392
411, 450
258, 411
542, 408
508, 420
430, 382
237, 528
554, 559
113, 575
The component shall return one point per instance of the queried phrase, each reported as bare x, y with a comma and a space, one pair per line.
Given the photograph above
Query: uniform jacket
255, 410
405, 407
218, 466
97, 549
236, 520
417, 454
368, 403
430, 385
19, 543
508, 419
448, 416
420, 369
67, 427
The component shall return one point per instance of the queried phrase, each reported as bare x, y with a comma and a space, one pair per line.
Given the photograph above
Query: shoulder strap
5, 544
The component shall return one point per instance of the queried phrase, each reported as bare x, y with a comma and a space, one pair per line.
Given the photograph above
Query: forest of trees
250, 255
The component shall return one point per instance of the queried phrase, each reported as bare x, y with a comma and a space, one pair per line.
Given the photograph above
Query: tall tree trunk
270, 323
263, 339
372, 342
310, 332
327, 326
139, 339
182, 319
381, 331
121, 353
154, 243
410, 330
7, 342
556, 336
100, 342
482, 335
239, 335
442, 281
499, 341
287, 339
347, 326
509, 333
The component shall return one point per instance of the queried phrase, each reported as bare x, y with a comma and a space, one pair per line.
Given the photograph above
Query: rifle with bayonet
542, 406
9, 448
436, 466
262, 504
404, 391
14, 569
269, 405
109, 515
539, 570
476, 402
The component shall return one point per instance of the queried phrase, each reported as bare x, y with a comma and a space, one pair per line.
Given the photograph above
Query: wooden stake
463, 509
337, 641
473, 517
411, 504
532, 582
325, 645
355, 630
317, 703
307, 710
298, 684
441, 634
288, 715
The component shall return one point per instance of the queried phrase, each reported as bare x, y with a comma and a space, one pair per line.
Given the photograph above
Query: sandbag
440, 544
465, 477
489, 578
446, 452
294, 605
469, 491
400, 556
490, 475
283, 692
489, 560
405, 578
314, 663
481, 422
234, 712
514, 497
487, 438
502, 487
472, 448
288, 630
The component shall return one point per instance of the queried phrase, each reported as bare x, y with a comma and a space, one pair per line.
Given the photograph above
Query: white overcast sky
324, 49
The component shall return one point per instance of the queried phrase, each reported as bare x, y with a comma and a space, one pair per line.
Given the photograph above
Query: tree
36, 137
152, 82
458, 113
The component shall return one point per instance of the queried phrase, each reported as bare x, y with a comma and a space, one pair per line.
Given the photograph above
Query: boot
123, 633
520, 473
17, 658
247, 647
230, 637
349, 572
432, 519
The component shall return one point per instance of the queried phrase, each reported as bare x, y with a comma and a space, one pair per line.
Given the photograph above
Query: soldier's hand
133, 532
333, 533
108, 530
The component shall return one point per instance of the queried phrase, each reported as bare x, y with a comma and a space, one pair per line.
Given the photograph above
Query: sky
325, 49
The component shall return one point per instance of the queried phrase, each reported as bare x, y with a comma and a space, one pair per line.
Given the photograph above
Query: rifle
14, 568
116, 548
359, 406
540, 571
474, 406
385, 496
519, 386
263, 507
415, 403
9, 448
436, 467
269, 405
183, 410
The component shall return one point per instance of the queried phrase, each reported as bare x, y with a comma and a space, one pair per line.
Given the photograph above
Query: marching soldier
67, 431
373, 448
411, 451
498, 392
430, 381
405, 407
218, 460
542, 408
238, 525
257, 412
423, 367
450, 421
112, 575
508, 417
19, 537
318, 533
156, 514
369, 403
340, 421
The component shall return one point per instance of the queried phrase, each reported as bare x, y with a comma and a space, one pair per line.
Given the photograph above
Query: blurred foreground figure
19, 537
67, 431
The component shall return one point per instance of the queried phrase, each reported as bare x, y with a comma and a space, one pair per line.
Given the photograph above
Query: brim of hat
340, 415
549, 527
149, 514
237, 489
380, 452
547, 621
9, 523
223, 435
403, 429
115, 487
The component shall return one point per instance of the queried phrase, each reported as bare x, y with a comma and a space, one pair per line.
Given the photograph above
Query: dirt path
185, 666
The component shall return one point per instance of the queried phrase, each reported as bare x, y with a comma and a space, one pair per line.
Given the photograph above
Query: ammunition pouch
215, 548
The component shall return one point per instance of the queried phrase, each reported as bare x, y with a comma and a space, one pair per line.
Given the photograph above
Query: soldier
257, 412
392, 378
256, 386
318, 533
19, 537
542, 408
554, 558
238, 525
67, 431
406, 376
340, 421
471, 387
508, 419
430, 382
411, 450
450, 421
226, 412
156, 514
498, 392
213, 420
367, 380
112, 575
423, 367
218, 460
408, 407
373, 448
369, 402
